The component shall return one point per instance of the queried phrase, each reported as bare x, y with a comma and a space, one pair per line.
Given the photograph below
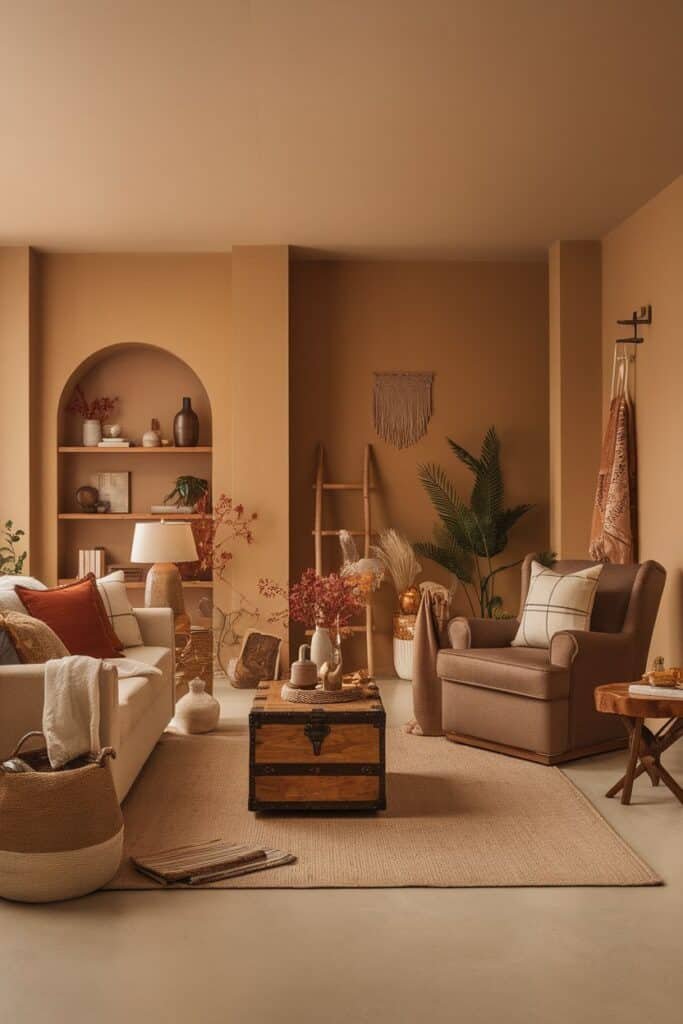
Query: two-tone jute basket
61, 832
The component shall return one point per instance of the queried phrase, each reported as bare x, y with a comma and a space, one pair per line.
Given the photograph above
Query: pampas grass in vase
396, 554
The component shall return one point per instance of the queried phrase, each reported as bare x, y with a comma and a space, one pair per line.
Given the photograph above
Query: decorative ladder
320, 486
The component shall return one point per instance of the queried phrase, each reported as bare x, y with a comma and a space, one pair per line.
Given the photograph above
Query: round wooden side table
645, 747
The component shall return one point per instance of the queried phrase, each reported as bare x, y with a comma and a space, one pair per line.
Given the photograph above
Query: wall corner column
260, 409
575, 389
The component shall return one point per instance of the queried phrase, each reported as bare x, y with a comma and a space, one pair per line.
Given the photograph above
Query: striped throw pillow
114, 595
555, 602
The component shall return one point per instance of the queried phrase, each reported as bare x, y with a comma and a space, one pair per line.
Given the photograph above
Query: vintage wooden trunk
312, 758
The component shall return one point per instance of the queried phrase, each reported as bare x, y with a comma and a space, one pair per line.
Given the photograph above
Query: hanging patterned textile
614, 530
402, 407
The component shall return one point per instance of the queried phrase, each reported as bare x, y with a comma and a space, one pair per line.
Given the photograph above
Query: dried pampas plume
396, 554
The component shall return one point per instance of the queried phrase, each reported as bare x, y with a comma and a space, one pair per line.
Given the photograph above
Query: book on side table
644, 690
202, 863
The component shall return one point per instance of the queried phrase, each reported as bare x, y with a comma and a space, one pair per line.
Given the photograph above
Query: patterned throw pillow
33, 640
555, 602
114, 595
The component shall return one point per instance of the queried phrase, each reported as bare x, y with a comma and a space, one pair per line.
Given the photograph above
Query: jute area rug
457, 817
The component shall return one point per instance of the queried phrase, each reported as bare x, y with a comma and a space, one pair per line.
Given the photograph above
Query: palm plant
469, 537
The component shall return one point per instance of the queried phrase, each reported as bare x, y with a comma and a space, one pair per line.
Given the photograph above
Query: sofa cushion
112, 590
9, 600
33, 641
526, 671
136, 696
77, 615
160, 657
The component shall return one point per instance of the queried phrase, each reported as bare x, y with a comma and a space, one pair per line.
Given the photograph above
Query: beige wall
18, 492
643, 263
575, 392
482, 328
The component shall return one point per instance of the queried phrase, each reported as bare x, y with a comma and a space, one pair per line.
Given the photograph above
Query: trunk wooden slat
311, 757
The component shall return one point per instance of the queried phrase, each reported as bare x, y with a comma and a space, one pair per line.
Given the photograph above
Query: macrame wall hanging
402, 407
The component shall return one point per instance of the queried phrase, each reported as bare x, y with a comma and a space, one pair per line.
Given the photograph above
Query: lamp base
164, 588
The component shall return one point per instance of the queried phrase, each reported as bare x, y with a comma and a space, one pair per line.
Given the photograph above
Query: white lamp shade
163, 542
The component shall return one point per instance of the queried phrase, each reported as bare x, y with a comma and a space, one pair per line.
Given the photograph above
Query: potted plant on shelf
468, 538
93, 414
187, 492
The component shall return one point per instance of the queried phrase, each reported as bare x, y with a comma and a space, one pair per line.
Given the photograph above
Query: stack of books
168, 510
131, 573
645, 690
113, 442
92, 560
202, 863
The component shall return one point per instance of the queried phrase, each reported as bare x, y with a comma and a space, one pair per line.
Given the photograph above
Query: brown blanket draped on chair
614, 530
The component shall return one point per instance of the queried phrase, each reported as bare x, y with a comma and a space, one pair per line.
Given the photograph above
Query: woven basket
62, 831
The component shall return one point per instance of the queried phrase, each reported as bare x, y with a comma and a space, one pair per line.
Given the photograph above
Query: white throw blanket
71, 709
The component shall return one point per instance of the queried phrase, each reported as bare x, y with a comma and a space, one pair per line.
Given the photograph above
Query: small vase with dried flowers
93, 414
325, 604
396, 553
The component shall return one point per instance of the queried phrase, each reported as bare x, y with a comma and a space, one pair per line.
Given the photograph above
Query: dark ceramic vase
186, 426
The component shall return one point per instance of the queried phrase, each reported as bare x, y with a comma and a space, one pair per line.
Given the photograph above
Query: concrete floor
520, 955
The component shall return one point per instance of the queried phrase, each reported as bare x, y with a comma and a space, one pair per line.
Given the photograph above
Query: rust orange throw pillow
77, 615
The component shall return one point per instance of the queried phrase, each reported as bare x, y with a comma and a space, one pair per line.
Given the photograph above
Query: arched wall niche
149, 381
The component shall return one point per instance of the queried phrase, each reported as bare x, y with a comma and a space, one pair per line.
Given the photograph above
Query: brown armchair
538, 704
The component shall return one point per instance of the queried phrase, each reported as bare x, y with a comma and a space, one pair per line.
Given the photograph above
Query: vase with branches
469, 537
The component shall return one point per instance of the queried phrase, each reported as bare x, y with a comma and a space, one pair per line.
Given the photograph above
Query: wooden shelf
140, 584
135, 517
138, 450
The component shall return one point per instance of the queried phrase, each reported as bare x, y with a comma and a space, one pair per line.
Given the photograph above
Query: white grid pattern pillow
555, 602
113, 592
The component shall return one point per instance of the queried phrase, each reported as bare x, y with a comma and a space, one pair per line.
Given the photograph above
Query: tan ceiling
483, 128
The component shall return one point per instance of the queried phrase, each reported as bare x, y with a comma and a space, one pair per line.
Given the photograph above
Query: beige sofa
134, 712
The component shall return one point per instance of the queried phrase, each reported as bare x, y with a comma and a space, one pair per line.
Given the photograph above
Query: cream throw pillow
555, 602
112, 589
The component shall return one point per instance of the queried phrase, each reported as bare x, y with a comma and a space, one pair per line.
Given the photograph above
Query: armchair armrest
465, 633
156, 626
598, 657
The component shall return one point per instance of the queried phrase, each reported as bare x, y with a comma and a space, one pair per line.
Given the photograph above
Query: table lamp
164, 544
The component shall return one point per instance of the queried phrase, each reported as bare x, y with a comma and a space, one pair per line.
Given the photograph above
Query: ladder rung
342, 487
335, 533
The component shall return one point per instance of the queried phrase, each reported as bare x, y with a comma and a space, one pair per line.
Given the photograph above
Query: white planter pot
92, 433
403, 658
322, 648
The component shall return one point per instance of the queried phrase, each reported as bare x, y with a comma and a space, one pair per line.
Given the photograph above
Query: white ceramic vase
322, 648
92, 433
197, 711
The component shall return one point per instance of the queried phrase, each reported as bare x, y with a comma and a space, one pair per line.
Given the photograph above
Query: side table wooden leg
635, 730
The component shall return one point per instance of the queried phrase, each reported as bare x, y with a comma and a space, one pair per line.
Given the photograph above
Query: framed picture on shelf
113, 488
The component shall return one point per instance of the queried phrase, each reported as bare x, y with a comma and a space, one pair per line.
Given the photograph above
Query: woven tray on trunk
348, 692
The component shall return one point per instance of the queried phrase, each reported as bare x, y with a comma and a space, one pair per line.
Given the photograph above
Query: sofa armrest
22, 694
597, 657
156, 626
465, 633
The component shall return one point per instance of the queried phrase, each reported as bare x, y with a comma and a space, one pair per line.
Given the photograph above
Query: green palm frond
451, 510
476, 533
